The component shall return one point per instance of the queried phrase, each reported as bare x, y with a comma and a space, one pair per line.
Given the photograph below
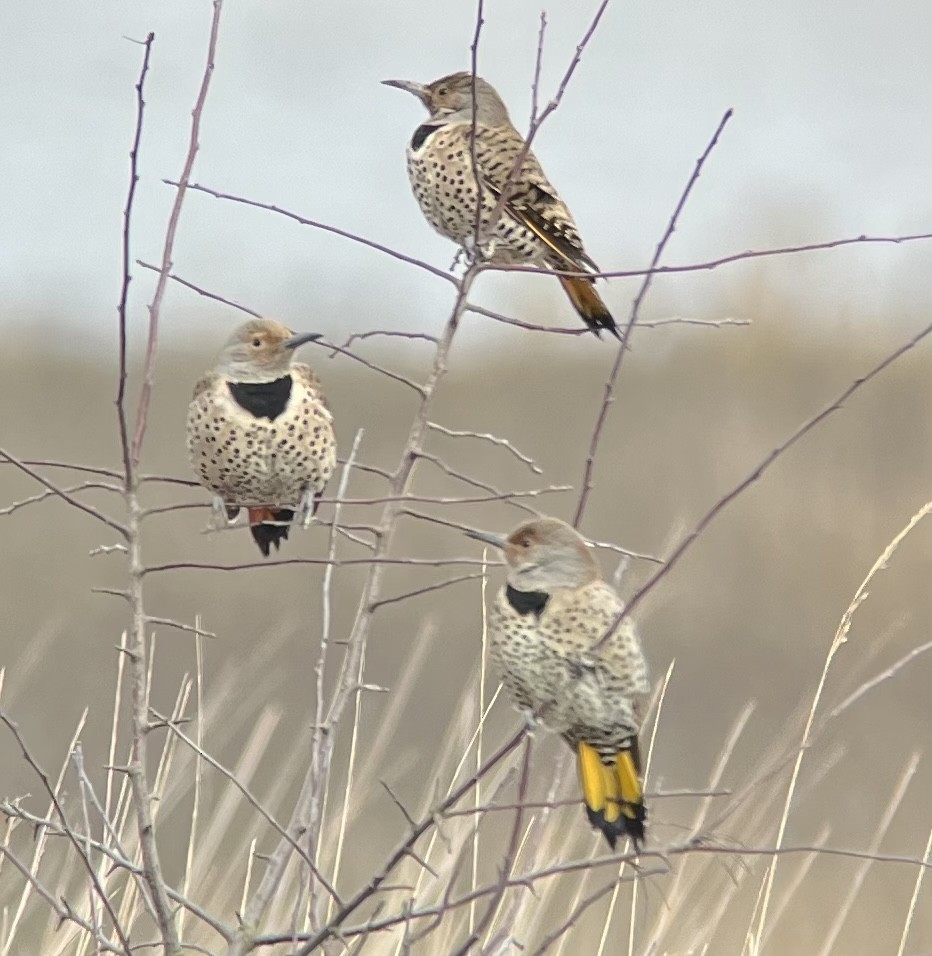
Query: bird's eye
256, 343
525, 542
442, 91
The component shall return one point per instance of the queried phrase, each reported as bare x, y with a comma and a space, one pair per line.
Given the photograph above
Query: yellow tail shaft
612, 793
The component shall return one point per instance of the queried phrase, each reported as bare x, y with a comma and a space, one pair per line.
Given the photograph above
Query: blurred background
830, 138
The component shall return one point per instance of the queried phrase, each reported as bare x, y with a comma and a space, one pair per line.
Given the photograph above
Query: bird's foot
472, 253
487, 251
307, 506
221, 516
531, 722
460, 259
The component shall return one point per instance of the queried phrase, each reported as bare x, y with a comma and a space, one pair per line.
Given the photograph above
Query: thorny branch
64, 494
117, 858
308, 826
169, 245
136, 649
69, 832
127, 277
334, 927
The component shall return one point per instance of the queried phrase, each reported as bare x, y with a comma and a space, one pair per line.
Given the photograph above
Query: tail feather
612, 793
265, 535
588, 303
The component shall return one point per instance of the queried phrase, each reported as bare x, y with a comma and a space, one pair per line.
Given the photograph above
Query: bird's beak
418, 89
496, 540
300, 339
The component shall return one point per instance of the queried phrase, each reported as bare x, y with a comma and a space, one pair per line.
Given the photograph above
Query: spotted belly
545, 670
250, 462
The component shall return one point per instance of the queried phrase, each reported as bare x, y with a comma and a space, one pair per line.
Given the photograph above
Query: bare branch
372, 887
426, 266
335, 349
508, 862
709, 264
127, 278
168, 248
63, 494
426, 589
69, 832
48, 493
118, 859
758, 472
341, 562
494, 439
63, 910
609, 398
250, 798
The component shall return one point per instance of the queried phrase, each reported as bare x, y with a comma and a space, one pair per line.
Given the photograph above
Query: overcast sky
832, 136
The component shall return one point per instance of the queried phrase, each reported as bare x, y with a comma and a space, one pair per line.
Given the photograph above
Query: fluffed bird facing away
260, 432
544, 624
534, 226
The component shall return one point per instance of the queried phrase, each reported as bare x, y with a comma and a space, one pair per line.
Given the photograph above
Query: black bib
527, 602
262, 399
421, 134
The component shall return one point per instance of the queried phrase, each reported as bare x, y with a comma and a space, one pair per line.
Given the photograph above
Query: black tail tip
266, 535
600, 322
633, 826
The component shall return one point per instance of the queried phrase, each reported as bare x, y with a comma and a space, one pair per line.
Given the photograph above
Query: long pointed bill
418, 89
496, 540
301, 339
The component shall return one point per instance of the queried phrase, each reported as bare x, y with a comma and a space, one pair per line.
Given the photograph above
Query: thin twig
839, 639
518, 165
63, 494
507, 862
119, 860
920, 873
334, 230
315, 810
494, 439
375, 560
125, 250
673, 559
61, 908
250, 798
426, 589
136, 648
404, 848
174, 218
48, 493
709, 264
609, 397
68, 831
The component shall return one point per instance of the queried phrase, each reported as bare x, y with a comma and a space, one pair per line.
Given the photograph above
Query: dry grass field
742, 626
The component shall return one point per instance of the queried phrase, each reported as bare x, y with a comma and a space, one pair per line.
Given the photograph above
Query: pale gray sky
832, 136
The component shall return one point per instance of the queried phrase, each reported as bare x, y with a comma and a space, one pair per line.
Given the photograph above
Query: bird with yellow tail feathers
260, 432
544, 631
534, 226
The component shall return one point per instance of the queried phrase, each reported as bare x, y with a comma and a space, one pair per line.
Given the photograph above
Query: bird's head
544, 554
452, 97
260, 350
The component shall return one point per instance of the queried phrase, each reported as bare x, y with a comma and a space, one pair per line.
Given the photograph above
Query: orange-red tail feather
588, 303
265, 535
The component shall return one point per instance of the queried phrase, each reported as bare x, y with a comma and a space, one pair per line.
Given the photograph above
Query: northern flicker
534, 226
260, 433
543, 626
